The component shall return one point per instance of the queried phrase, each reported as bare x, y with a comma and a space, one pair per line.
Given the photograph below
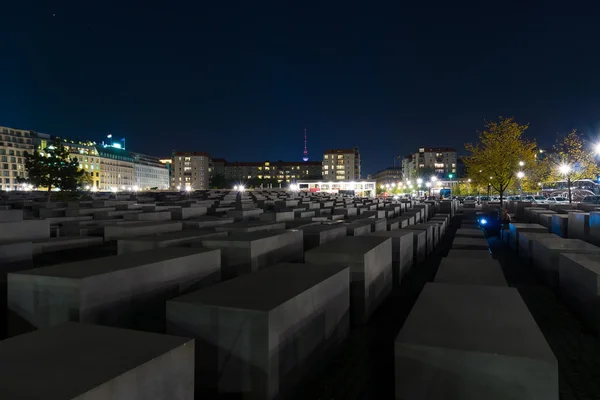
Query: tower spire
305, 157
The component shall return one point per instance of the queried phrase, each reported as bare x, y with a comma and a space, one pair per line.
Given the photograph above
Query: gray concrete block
560, 225
80, 361
245, 215
148, 216
23, 231
370, 262
579, 225
15, 252
473, 342
526, 239
317, 235
259, 346
206, 222
250, 226
545, 254
65, 243
469, 243
11, 215
429, 235
279, 216
127, 290
517, 228
402, 252
248, 252
113, 232
188, 212
357, 229
160, 240
579, 285
467, 271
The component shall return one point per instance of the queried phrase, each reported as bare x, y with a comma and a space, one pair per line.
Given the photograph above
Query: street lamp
521, 163
597, 148
428, 184
564, 169
521, 175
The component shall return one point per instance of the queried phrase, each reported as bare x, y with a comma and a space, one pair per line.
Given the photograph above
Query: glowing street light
521, 163
188, 189
241, 188
597, 149
419, 181
564, 169
469, 180
135, 188
433, 179
520, 175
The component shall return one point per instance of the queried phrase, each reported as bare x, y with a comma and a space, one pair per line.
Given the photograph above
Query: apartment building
280, 171
190, 169
13, 145
341, 164
439, 161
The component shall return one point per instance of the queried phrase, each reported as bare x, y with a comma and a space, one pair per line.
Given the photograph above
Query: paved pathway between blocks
364, 366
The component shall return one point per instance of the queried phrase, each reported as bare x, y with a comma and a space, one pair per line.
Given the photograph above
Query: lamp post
433, 181
565, 169
419, 183
428, 184
520, 175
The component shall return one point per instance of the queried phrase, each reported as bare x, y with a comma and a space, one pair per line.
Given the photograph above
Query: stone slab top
264, 289
395, 233
538, 235
309, 229
519, 225
587, 261
149, 223
485, 319
106, 265
205, 218
249, 236
186, 234
67, 360
249, 224
559, 243
350, 245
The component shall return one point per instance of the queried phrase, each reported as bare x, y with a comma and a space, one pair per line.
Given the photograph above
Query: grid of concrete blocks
171, 296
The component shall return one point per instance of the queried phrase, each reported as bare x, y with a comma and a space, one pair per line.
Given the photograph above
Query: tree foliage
53, 169
571, 160
495, 159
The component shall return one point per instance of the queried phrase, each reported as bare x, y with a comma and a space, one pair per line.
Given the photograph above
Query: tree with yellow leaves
501, 153
571, 160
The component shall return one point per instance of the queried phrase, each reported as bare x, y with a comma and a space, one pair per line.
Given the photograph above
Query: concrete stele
473, 342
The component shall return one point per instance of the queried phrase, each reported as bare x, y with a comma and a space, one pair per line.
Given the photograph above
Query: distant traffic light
450, 176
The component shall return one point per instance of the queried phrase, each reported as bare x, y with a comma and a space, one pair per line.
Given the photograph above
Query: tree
498, 156
218, 181
52, 168
571, 160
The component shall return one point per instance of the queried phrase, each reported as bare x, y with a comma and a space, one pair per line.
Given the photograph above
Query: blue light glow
483, 221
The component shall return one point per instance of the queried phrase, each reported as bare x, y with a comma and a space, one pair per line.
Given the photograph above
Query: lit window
325, 156
326, 167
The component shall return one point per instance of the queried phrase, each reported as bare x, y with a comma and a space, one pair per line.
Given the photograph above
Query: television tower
305, 157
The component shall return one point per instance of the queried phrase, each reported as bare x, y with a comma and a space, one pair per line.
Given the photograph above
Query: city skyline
386, 79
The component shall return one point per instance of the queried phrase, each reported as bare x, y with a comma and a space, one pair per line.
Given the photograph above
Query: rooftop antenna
305, 157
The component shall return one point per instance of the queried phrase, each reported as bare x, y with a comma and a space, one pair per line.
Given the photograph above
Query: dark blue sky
241, 80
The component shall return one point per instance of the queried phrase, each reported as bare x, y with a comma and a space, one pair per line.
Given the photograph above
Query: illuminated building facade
341, 164
116, 168
279, 171
190, 169
13, 145
439, 161
360, 188
388, 175
149, 172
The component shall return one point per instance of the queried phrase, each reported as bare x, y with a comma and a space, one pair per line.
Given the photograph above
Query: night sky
241, 80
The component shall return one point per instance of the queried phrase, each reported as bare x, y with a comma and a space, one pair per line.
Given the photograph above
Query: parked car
557, 200
591, 200
539, 199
